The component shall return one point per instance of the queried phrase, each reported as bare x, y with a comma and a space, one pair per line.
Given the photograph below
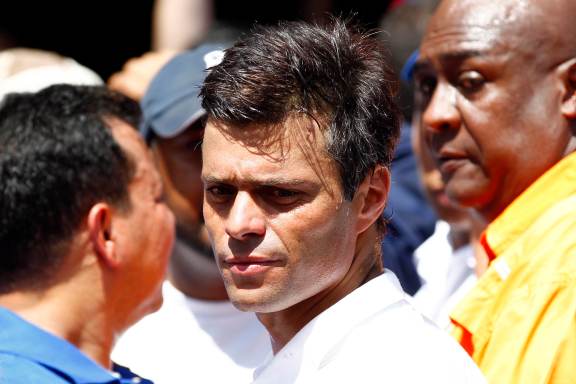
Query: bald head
532, 27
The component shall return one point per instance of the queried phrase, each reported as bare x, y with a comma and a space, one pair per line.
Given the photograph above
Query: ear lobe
374, 194
568, 73
100, 231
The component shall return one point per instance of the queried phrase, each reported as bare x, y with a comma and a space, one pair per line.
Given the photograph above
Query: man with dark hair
84, 233
300, 134
497, 88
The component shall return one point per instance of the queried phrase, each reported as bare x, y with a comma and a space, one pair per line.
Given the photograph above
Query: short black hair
57, 159
333, 72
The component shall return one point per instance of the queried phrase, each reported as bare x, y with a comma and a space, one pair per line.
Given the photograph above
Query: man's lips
250, 264
450, 160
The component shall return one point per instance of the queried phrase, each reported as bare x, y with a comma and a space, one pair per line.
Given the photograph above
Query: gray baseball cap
172, 102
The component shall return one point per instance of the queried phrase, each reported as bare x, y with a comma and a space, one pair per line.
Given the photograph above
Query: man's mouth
250, 265
449, 161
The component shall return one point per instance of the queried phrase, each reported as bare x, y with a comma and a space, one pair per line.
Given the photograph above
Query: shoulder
400, 345
549, 243
17, 370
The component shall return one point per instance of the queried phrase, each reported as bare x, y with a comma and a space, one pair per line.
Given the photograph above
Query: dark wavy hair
57, 159
333, 72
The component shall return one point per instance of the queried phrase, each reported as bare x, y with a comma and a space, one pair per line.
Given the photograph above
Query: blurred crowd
320, 191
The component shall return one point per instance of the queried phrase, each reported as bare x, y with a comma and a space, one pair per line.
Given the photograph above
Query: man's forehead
521, 25
480, 13
479, 26
299, 153
292, 135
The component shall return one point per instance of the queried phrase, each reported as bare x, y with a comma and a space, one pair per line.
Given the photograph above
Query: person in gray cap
197, 335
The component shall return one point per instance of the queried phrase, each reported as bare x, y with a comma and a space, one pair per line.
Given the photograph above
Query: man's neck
285, 324
65, 316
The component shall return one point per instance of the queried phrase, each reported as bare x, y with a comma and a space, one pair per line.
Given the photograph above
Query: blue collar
25, 340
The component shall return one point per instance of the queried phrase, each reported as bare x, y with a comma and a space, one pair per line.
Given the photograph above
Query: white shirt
447, 275
373, 335
194, 341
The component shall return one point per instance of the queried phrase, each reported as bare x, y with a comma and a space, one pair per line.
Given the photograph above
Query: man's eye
219, 194
425, 86
470, 81
282, 196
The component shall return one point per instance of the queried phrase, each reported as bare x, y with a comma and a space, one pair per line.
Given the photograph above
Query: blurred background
103, 34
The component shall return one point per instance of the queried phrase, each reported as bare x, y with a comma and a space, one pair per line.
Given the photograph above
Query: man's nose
245, 219
441, 113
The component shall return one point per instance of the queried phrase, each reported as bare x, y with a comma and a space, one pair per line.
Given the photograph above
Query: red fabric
489, 252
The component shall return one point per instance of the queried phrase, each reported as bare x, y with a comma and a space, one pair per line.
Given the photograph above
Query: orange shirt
519, 321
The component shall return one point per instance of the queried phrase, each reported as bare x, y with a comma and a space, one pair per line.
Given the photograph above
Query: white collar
313, 346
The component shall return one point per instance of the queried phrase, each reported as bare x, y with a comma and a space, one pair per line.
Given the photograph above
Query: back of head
57, 159
333, 74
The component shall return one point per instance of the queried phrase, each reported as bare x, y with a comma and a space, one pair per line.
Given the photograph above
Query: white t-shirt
373, 335
194, 341
447, 275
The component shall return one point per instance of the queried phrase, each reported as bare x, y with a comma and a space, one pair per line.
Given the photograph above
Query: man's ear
373, 192
568, 74
100, 232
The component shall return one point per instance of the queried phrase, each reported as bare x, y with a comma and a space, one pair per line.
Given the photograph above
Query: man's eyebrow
264, 182
424, 64
279, 182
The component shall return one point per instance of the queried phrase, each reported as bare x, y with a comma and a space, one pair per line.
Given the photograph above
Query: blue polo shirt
31, 355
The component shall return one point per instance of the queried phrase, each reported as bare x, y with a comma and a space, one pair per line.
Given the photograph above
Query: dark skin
490, 95
192, 268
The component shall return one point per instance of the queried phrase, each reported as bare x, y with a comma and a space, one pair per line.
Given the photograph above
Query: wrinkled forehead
297, 132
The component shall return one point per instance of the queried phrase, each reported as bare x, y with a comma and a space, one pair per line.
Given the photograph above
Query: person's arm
135, 77
180, 24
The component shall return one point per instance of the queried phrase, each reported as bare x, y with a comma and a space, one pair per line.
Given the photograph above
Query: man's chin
255, 300
246, 300
467, 193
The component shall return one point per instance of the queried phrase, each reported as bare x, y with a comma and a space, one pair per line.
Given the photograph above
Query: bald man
496, 89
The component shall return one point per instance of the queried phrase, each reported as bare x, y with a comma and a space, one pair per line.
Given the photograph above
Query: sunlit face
490, 101
279, 226
144, 233
179, 161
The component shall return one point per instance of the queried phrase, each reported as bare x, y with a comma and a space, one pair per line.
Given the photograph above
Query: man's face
280, 229
490, 102
179, 161
146, 231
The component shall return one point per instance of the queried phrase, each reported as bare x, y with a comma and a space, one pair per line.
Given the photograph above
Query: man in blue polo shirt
84, 232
